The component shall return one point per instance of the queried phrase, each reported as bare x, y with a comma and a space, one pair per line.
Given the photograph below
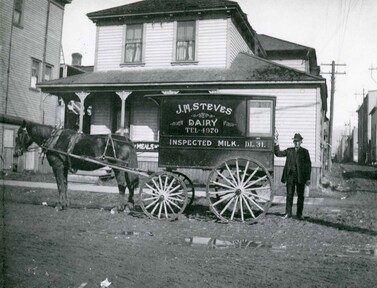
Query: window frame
38, 76
51, 67
20, 11
143, 43
196, 42
249, 133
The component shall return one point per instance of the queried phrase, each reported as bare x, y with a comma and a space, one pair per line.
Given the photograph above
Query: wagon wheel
163, 195
190, 188
239, 190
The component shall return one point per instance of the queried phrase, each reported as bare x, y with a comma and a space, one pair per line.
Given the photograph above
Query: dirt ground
335, 246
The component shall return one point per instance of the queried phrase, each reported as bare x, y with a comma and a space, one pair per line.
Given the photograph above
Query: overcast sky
341, 30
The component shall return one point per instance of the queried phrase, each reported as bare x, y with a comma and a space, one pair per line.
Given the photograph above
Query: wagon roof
245, 69
161, 6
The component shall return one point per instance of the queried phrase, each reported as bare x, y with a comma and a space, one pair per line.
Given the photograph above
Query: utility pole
371, 72
331, 124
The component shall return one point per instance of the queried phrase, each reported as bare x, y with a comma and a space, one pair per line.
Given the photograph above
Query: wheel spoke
176, 194
177, 199
237, 172
256, 181
256, 195
156, 185
171, 184
227, 205
222, 199
153, 189
222, 185
230, 172
171, 202
152, 203
226, 179
234, 209
166, 210
248, 207
223, 191
175, 188
253, 202
252, 175
244, 172
159, 211
241, 209
160, 181
155, 207
150, 198
171, 209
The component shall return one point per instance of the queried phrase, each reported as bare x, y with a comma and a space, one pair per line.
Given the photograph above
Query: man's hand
276, 140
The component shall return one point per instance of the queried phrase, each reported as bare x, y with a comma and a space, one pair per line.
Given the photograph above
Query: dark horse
115, 149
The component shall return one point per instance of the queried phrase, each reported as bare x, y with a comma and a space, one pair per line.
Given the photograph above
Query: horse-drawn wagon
229, 136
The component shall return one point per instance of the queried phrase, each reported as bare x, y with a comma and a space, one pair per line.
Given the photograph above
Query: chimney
76, 59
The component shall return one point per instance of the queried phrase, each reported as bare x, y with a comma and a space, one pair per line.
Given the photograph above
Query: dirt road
335, 246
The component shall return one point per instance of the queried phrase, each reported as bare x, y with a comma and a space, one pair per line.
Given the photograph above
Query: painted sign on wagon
207, 117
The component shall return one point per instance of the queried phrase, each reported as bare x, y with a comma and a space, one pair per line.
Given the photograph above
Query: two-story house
30, 44
187, 46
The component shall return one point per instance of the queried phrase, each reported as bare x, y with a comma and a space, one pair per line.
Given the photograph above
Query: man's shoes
300, 217
286, 216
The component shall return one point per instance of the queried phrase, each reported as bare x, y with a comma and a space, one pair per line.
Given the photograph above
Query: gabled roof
270, 43
245, 69
161, 6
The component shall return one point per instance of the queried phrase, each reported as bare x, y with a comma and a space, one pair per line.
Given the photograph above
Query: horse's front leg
119, 175
58, 169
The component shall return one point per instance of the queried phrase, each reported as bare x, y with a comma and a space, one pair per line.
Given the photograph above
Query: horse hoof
131, 206
59, 208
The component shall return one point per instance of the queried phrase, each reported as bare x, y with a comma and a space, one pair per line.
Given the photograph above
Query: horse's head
23, 140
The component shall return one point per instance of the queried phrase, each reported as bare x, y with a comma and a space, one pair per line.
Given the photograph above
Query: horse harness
50, 143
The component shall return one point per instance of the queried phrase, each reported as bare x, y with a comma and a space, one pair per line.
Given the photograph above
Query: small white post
123, 96
82, 95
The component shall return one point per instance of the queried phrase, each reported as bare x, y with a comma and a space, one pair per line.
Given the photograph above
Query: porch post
123, 96
82, 95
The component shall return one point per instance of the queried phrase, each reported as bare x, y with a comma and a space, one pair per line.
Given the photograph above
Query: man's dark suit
296, 173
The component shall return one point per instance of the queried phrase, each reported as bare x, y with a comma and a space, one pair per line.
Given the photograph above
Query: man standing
296, 173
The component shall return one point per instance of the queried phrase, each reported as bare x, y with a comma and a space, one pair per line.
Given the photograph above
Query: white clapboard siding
101, 116
159, 45
144, 122
297, 111
212, 43
109, 47
236, 43
298, 64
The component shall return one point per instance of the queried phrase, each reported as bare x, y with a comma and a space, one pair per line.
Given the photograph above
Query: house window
260, 118
185, 41
34, 73
134, 43
48, 73
17, 15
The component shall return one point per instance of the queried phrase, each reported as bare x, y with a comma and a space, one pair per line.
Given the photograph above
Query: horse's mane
42, 130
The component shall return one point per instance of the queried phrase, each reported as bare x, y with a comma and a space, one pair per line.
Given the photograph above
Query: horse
60, 145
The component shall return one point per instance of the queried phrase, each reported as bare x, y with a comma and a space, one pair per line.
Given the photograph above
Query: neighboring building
170, 47
373, 144
30, 44
365, 127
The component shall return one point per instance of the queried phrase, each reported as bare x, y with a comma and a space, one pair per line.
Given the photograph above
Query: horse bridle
23, 143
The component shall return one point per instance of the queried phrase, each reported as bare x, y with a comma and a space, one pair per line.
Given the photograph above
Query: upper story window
48, 73
185, 46
35, 67
134, 43
18, 12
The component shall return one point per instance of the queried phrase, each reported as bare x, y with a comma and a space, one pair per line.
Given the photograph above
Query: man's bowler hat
297, 137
